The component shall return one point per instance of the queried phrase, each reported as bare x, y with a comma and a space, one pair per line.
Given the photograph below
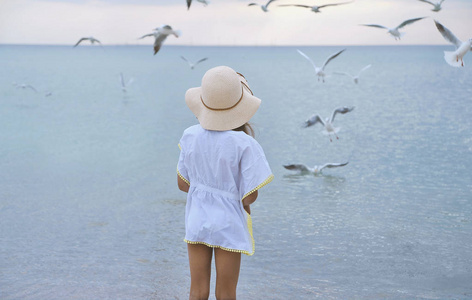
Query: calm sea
89, 206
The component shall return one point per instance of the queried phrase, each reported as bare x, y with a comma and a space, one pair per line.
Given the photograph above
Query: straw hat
224, 101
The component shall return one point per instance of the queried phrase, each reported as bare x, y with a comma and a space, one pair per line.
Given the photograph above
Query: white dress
221, 167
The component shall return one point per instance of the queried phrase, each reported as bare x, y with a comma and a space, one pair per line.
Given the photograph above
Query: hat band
227, 108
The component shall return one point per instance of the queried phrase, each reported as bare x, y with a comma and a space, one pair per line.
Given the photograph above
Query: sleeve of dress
181, 168
255, 170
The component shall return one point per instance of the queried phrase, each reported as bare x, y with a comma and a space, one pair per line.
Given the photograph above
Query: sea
89, 204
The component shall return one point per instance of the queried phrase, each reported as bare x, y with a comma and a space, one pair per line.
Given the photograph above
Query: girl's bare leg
199, 257
227, 273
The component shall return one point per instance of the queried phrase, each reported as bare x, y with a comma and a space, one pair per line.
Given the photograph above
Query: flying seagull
124, 84
263, 7
453, 57
320, 71
192, 65
328, 122
316, 8
355, 78
303, 169
90, 38
160, 34
25, 86
394, 31
437, 6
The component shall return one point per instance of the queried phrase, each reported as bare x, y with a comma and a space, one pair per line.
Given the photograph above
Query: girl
221, 167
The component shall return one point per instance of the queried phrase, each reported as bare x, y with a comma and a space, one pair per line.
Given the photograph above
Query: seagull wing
447, 34
160, 38
409, 22
341, 110
334, 4
333, 165
313, 120
365, 68
343, 73
203, 59
426, 1
185, 59
189, 2
95, 40
306, 56
80, 41
146, 35
31, 87
297, 167
297, 5
375, 25
270, 1
252, 4
331, 57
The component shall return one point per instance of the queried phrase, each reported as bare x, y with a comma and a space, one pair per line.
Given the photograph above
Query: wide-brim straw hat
224, 101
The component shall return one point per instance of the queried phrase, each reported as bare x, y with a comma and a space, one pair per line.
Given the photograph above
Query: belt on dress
213, 190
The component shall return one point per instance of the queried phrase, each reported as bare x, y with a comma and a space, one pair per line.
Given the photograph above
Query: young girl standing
221, 167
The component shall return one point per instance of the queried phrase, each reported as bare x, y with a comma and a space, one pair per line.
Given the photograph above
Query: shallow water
89, 206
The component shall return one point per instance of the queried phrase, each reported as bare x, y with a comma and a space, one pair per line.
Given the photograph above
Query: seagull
192, 65
160, 34
356, 77
394, 31
263, 7
302, 169
315, 8
328, 123
320, 71
437, 6
453, 57
24, 86
90, 38
124, 85
189, 2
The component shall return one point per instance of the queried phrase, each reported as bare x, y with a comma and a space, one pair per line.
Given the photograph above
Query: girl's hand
247, 209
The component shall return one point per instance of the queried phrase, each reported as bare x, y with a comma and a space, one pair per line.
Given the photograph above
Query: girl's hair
246, 128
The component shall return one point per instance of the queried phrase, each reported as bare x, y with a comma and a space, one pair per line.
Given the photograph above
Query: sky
229, 22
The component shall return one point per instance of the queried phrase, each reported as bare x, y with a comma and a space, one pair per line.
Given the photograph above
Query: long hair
246, 128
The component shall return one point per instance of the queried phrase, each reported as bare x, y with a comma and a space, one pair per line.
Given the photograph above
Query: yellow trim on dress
267, 181
220, 247
182, 177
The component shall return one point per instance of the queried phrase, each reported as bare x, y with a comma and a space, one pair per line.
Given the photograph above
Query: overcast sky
228, 22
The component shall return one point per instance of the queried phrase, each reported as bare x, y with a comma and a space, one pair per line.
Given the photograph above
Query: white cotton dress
221, 167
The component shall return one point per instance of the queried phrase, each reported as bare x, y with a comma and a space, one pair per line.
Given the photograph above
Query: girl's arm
183, 186
248, 200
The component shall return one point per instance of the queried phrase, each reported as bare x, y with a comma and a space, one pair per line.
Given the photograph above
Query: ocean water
89, 205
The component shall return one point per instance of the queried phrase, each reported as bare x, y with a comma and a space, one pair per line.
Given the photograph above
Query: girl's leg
199, 257
227, 273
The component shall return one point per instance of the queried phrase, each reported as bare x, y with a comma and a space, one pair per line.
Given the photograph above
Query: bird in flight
454, 58
328, 122
316, 8
160, 34
355, 78
320, 71
395, 30
263, 7
191, 64
316, 170
90, 38
437, 6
